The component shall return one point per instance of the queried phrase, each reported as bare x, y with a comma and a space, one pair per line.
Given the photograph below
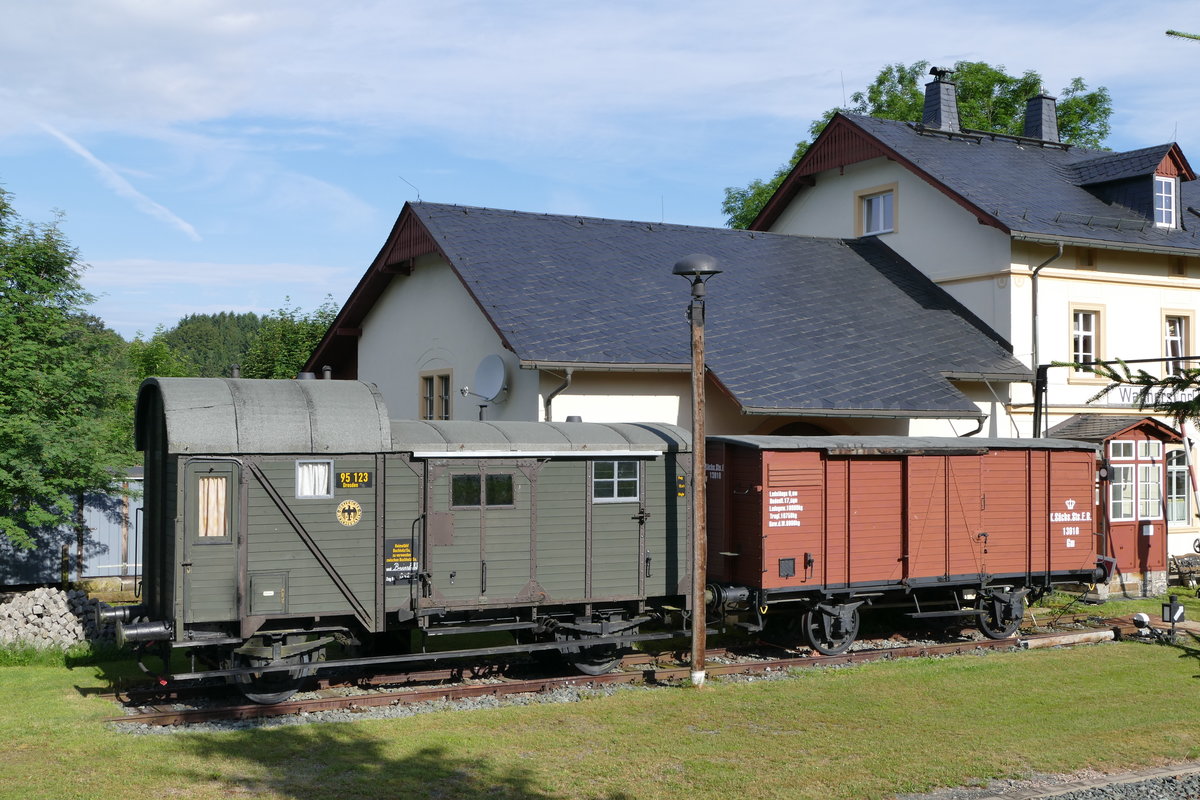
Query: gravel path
1178, 782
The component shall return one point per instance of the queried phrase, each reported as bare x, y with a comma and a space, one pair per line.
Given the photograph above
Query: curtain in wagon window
211, 496
313, 478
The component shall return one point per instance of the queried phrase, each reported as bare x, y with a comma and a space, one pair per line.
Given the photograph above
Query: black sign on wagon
399, 563
354, 480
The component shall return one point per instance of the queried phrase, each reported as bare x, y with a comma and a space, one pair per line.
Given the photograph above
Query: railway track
458, 684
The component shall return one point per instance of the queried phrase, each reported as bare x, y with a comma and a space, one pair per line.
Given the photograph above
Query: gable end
844, 142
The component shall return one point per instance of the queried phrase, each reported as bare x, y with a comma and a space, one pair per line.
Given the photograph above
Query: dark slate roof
1093, 427
794, 324
1034, 188
1119, 166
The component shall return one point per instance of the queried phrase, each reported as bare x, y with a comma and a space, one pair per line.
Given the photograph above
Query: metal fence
107, 543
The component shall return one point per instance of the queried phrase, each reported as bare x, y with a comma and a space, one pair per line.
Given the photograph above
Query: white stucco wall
933, 232
427, 321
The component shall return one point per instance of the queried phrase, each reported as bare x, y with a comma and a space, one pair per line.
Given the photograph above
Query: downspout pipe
1039, 386
562, 387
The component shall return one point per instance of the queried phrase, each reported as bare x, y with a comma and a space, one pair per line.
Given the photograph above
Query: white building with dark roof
1071, 254
578, 316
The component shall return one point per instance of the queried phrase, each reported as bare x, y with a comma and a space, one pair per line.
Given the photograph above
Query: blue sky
215, 155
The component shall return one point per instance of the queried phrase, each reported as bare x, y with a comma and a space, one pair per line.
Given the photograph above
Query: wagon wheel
595, 659
1000, 614
829, 631
268, 688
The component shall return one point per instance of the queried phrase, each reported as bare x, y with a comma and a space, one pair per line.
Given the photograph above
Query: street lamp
698, 268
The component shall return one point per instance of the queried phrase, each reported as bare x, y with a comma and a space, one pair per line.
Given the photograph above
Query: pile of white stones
51, 618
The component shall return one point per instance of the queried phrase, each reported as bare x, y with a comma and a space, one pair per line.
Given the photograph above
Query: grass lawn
863, 732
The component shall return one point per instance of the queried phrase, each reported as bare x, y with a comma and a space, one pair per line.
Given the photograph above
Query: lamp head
697, 266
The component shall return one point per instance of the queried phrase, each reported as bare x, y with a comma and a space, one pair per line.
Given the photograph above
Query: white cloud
495, 75
122, 187
148, 274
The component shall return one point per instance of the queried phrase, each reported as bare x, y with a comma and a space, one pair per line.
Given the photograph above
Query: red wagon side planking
821, 526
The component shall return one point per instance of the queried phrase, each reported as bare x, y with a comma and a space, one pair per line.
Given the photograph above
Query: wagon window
314, 479
615, 481
465, 491
472, 491
1121, 493
499, 490
211, 501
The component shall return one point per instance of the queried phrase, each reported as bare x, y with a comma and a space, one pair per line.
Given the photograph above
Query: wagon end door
211, 527
618, 530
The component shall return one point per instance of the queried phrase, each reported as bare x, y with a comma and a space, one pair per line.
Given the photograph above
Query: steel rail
650, 675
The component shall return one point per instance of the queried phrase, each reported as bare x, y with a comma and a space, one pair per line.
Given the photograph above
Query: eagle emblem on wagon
349, 513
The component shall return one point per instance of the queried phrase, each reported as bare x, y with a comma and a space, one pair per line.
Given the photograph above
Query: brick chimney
1041, 118
941, 102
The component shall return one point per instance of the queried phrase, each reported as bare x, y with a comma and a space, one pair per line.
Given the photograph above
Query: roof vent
1041, 118
941, 102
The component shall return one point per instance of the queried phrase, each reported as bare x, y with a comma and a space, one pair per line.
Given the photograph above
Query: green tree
212, 343
155, 357
989, 99
286, 340
61, 383
1176, 396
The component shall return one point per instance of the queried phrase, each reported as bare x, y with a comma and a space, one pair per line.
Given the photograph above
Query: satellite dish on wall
491, 379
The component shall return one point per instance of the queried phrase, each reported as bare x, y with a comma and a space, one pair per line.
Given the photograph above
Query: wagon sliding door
477, 534
209, 563
945, 533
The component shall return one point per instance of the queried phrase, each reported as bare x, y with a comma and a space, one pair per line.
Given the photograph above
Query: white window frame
870, 206
1178, 486
616, 481
1165, 194
1085, 340
307, 478
1149, 491
1122, 476
1177, 331
1121, 450
1149, 450
879, 213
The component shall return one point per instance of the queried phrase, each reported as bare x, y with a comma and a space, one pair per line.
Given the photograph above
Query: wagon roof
466, 438
898, 445
230, 415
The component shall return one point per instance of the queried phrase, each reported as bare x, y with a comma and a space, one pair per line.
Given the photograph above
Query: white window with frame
1121, 449
1164, 202
314, 479
1177, 487
615, 482
1085, 336
1175, 343
1120, 493
1149, 449
878, 213
1150, 491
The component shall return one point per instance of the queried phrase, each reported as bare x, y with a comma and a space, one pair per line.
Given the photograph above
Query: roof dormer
1145, 181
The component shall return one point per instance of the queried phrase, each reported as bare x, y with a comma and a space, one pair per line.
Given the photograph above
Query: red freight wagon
820, 526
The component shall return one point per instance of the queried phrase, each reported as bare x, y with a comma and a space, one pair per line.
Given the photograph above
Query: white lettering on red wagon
1071, 515
783, 508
